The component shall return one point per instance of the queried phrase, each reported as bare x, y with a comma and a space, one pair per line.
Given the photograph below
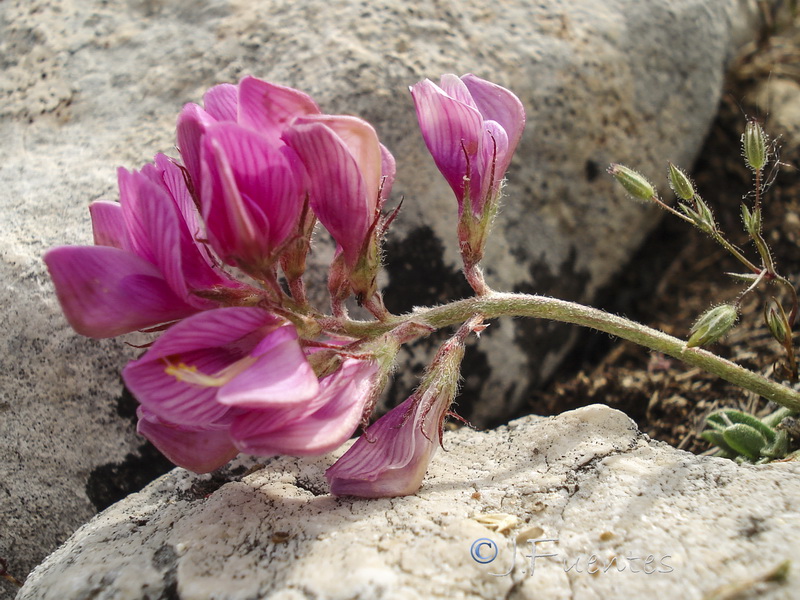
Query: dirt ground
680, 272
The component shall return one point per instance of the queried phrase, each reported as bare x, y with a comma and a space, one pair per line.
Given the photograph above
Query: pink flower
236, 379
471, 128
147, 265
251, 193
350, 175
249, 184
391, 458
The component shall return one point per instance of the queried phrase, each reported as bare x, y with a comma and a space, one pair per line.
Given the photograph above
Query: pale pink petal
492, 163
105, 292
221, 102
108, 224
389, 460
269, 108
388, 170
280, 377
339, 195
453, 86
199, 450
496, 103
192, 124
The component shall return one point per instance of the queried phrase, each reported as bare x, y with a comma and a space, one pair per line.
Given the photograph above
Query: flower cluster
209, 251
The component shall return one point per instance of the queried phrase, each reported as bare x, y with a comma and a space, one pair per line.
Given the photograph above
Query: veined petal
281, 375
339, 195
238, 329
361, 140
108, 224
261, 193
192, 124
105, 292
496, 103
205, 345
221, 102
453, 86
452, 132
269, 108
492, 164
389, 460
388, 170
199, 450
331, 419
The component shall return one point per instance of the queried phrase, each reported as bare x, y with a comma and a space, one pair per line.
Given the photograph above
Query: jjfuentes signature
485, 551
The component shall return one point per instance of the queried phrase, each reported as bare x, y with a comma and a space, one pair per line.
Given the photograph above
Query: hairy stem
496, 304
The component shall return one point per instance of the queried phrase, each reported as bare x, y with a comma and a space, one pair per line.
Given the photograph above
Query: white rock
587, 478
87, 85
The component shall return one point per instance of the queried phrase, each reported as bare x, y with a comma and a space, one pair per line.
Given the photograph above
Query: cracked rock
625, 517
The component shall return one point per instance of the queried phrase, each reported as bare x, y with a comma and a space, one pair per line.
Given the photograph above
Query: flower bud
754, 145
776, 320
751, 220
712, 325
680, 183
634, 183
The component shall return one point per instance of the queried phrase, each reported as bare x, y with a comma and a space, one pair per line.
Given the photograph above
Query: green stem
495, 305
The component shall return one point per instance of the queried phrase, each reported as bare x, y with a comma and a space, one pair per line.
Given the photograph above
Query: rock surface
89, 85
679, 525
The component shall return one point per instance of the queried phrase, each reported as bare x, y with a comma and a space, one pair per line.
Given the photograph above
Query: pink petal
221, 102
208, 343
192, 124
105, 292
339, 195
281, 376
260, 194
492, 163
108, 224
389, 460
269, 108
450, 129
332, 418
199, 450
496, 103
388, 170
453, 86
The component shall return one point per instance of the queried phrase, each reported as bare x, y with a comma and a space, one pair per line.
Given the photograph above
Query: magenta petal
281, 376
334, 416
389, 460
269, 108
492, 163
251, 196
339, 195
221, 102
199, 450
106, 291
108, 224
451, 130
207, 343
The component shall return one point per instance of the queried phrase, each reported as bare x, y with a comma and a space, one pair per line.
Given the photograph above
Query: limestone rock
679, 526
89, 85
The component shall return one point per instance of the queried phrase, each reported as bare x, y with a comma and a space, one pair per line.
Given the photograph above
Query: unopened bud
712, 325
680, 183
751, 220
754, 145
778, 323
634, 183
